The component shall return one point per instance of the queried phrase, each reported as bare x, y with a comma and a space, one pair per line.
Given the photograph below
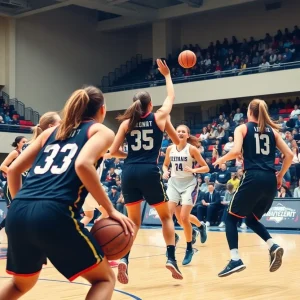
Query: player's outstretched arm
114, 150
7, 161
171, 131
199, 159
236, 151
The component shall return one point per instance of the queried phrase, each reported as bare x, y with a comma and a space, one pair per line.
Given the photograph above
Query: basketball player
43, 217
183, 185
18, 145
47, 120
253, 198
141, 178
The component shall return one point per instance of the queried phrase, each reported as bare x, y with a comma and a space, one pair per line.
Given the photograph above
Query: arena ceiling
116, 14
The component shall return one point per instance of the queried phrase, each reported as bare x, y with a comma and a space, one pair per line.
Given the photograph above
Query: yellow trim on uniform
97, 256
230, 204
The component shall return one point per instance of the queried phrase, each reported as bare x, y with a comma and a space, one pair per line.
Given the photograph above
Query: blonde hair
49, 118
191, 139
259, 110
82, 105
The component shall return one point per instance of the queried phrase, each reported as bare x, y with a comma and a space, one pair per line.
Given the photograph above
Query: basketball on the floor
111, 237
187, 59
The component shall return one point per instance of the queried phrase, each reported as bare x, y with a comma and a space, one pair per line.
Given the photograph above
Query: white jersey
179, 160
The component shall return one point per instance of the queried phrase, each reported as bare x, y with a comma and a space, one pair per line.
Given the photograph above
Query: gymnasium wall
243, 21
268, 83
60, 50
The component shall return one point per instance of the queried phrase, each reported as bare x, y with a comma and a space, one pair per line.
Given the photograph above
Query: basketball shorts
255, 194
143, 181
183, 191
39, 229
90, 204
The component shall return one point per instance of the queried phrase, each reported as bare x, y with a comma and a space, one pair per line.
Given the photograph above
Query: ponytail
259, 110
73, 113
36, 130
264, 118
133, 114
139, 107
193, 141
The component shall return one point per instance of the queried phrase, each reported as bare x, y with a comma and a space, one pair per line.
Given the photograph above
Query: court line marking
81, 283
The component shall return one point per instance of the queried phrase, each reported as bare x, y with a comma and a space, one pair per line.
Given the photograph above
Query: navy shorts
40, 229
143, 181
255, 194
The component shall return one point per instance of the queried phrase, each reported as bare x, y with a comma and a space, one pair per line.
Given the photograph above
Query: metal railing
207, 76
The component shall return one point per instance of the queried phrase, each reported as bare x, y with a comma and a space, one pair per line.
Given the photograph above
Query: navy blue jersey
259, 148
144, 141
52, 175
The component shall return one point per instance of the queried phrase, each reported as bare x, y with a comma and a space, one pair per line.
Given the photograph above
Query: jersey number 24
142, 139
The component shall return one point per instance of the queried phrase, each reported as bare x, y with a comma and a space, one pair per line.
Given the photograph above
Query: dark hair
18, 139
259, 110
192, 139
211, 183
82, 105
136, 110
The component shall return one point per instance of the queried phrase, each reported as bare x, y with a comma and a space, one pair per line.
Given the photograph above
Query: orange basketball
111, 237
187, 59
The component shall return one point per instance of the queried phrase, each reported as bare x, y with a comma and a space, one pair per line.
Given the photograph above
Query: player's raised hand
163, 67
124, 221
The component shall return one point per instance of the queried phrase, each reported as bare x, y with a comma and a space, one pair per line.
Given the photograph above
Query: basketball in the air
187, 59
111, 237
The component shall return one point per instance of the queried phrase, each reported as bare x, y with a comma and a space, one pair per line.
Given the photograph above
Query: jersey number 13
262, 142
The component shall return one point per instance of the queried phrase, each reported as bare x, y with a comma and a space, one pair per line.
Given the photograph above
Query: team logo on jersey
281, 213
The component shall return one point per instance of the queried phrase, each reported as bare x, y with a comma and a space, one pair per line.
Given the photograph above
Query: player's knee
23, 285
250, 221
185, 219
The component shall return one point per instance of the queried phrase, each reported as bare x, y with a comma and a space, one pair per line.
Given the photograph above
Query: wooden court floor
149, 280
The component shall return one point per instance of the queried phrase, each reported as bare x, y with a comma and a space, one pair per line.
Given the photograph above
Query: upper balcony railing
207, 76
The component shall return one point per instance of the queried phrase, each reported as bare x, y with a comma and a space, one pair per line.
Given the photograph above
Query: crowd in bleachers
8, 115
238, 56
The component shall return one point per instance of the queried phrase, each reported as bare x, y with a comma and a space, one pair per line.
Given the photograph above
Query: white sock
234, 253
270, 243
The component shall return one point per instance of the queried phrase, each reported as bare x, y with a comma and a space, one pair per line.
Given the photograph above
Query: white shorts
90, 204
183, 191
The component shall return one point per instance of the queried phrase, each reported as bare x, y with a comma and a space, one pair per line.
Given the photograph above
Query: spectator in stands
228, 146
264, 66
114, 195
220, 132
273, 58
226, 125
289, 139
297, 191
7, 118
239, 163
238, 116
234, 181
212, 133
295, 113
225, 202
201, 148
281, 123
256, 60
1, 120
284, 192
110, 179
222, 178
239, 173
204, 185
204, 135
287, 56
209, 205
209, 163
215, 155
120, 205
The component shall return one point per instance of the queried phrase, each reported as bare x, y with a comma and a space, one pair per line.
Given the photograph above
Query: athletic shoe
222, 224
203, 233
276, 253
194, 236
233, 267
113, 264
207, 224
123, 271
172, 266
188, 257
243, 226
